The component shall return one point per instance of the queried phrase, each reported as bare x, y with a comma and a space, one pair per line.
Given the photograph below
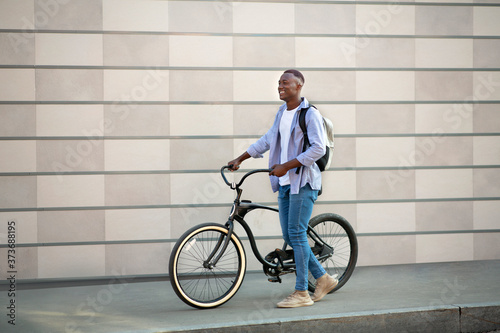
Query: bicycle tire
202, 287
337, 232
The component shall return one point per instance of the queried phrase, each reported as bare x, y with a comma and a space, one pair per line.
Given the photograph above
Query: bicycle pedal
274, 279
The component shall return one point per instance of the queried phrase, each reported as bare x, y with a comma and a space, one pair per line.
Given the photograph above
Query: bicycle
208, 262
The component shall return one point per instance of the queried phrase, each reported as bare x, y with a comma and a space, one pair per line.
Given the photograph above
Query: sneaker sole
298, 305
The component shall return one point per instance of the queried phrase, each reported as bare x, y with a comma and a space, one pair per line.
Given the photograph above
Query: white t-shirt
285, 129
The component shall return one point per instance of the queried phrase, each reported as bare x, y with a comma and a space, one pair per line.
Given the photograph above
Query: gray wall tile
17, 48
436, 86
70, 155
135, 50
139, 259
385, 52
325, 18
69, 15
486, 246
69, 85
147, 189
71, 226
441, 216
137, 120
200, 154
443, 20
443, 151
18, 192
196, 16
388, 184
201, 85
486, 118
17, 120
486, 183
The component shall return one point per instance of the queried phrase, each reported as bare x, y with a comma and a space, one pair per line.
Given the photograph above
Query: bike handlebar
234, 185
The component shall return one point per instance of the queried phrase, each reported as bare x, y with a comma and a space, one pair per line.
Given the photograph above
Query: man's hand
235, 164
279, 170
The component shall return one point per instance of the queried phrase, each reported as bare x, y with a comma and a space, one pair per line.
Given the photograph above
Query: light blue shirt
309, 173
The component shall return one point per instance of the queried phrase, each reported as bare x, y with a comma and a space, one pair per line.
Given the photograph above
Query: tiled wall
115, 117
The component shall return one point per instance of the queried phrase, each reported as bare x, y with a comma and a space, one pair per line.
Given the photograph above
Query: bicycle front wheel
338, 234
195, 282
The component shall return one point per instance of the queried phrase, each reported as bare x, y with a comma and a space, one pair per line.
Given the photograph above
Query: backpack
324, 161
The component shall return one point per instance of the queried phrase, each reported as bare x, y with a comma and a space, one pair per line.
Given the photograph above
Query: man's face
289, 87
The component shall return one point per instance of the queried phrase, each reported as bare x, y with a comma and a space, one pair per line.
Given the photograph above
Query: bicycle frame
238, 211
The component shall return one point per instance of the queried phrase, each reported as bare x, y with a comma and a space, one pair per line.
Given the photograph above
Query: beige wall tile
135, 15
121, 155
69, 49
131, 224
194, 85
69, 85
378, 152
136, 85
385, 86
373, 218
18, 156
242, 145
17, 84
70, 120
135, 50
486, 246
137, 189
253, 119
137, 259
443, 53
187, 217
136, 120
445, 247
343, 117
71, 226
325, 18
18, 192
486, 214
486, 21
385, 118
70, 191
391, 19
17, 120
486, 150
344, 153
198, 16
26, 268
17, 48
25, 224
252, 51
386, 250
201, 51
199, 188
440, 216
325, 52
329, 86
63, 156
201, 119
256, 85
339, 185
445, 183
443, 118
17, 14
71, 261
263, 17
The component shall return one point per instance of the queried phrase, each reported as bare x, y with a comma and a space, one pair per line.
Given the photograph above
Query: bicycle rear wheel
337, 233
198, 285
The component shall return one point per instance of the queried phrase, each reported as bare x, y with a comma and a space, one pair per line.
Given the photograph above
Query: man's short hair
297, 74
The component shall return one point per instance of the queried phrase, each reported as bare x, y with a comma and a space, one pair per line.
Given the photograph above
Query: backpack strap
303, 127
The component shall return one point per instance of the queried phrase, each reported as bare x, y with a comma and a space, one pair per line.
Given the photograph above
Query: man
297, 190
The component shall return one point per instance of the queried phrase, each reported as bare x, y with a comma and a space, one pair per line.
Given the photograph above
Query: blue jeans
295, 211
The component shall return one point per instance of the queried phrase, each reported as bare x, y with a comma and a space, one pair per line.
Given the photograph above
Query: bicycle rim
197, 285
337, 233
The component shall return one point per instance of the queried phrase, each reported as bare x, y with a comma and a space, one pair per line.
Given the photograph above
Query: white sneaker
296, 299
324, 285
